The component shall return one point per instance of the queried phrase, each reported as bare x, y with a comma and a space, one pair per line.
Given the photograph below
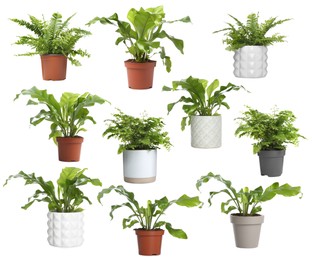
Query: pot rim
69, 137
272, 152
137, 150
133, 61
206, 116
246, 220
66, 213
53, 55
252, 46
159, 231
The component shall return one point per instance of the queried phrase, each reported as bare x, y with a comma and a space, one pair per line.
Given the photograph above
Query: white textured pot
247, 230
206, 131
65, 229
140, 166
251, 62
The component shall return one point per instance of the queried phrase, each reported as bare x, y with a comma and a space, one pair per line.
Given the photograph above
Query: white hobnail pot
65, 229
251, 62
140, 166
206, 131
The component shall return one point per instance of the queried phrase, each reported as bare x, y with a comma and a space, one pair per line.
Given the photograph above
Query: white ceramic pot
206, 131
251, 62
140, 166
247, 230
65, 229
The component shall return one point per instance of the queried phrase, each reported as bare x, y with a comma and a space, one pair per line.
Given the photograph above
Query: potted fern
148, 218
247, 203
65, 217
272, 133
54, 41
67, 117
140, 138
142, 38
201, 107
249, 42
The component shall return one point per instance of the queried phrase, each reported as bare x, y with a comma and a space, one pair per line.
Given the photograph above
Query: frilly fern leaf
52, 37
252, 33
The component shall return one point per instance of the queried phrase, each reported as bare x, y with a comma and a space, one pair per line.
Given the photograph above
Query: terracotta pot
53, 66
69, 148
149, 241
140, 75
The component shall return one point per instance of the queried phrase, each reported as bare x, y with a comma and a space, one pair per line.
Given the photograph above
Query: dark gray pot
271, 162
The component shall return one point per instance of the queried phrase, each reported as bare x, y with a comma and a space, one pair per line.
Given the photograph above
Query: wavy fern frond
252, 33
52, 37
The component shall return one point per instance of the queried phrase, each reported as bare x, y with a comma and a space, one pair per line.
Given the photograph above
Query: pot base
140, 180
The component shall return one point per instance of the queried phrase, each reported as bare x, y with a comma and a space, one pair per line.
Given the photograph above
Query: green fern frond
252, 33
34, 26
52, 37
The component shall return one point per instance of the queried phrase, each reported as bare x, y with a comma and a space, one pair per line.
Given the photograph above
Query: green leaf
165, 88
187, 201
178, 233
212, 87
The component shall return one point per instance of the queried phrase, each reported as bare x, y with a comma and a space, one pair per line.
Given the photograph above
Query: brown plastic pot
69, 148
140, 75
149, 241
53, 66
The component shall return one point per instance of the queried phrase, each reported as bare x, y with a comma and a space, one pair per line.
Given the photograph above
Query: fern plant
270, 131
252, 33
52, 37
137, 133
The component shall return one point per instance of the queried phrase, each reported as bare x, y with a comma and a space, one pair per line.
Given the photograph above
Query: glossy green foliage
252, 33
66, 196
204, 99
137, 133
148, 217
142, 36
52, 37
67, 116
246, 202
270, 131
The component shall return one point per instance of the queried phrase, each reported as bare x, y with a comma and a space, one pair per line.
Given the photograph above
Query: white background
285, 233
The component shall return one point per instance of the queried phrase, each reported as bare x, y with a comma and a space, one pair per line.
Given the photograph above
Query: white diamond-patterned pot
251, 62
206, 131
140, 166
65, 229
